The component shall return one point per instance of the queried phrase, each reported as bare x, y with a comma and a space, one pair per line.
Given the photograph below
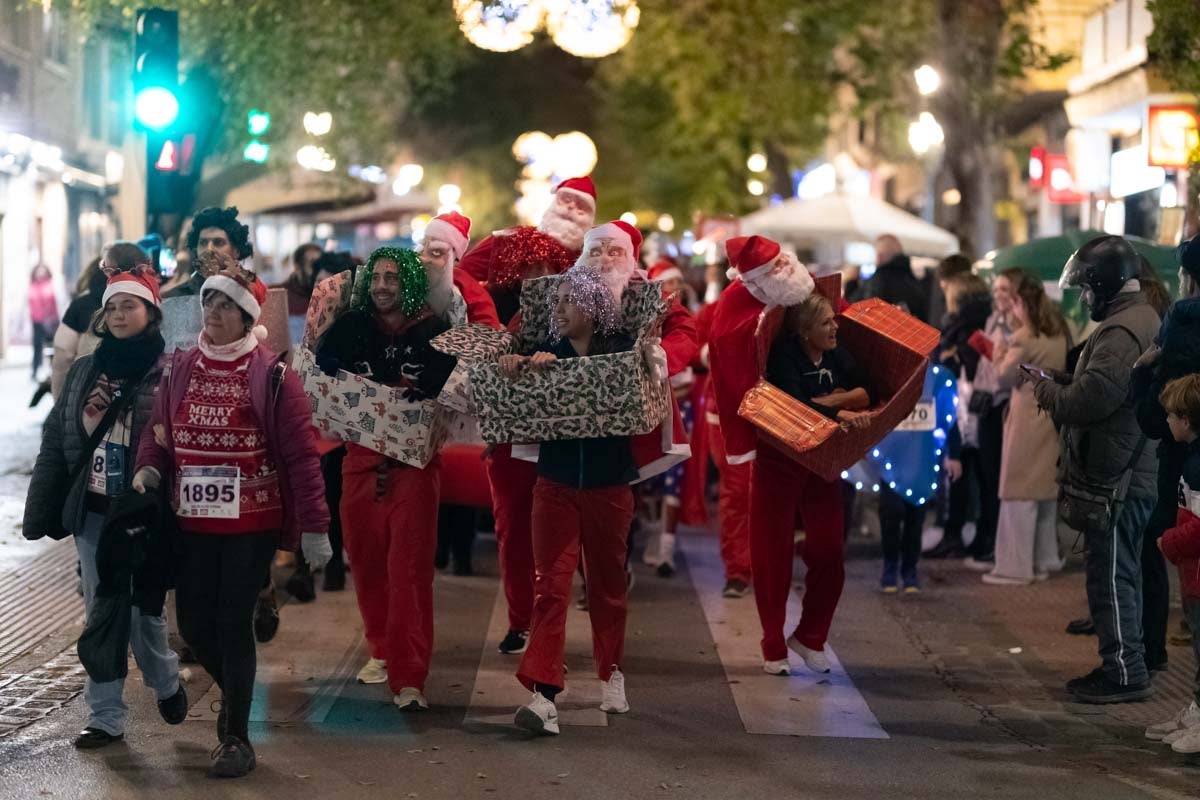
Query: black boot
335, 576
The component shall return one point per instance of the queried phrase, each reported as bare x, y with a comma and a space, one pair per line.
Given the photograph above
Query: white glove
145, 478
656, 358
316, 548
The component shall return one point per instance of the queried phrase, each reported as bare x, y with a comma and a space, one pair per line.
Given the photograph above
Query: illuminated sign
1171, 135
1037, 168
1060, 181
1132, 174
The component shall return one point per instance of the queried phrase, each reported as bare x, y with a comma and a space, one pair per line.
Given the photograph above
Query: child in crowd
1181, 545
582, 499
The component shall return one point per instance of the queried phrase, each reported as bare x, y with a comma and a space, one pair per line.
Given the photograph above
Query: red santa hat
750, 256
247, 292
580, 187
452, 228
139, 284
664, 270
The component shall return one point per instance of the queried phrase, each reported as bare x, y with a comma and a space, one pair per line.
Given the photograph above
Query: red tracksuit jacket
1181, 544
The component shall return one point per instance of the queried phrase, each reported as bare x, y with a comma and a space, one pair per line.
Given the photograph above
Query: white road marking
803, 704
497, 694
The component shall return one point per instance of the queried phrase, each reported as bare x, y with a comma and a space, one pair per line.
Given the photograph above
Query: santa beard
617, 279
566, 229
786, 287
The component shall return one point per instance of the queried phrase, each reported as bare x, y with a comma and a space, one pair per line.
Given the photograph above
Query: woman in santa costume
389, 508
582, 500
765, 277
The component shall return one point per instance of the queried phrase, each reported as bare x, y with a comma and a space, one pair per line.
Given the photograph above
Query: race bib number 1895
210, 492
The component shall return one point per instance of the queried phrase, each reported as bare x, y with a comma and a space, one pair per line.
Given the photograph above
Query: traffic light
257, 122
257, 152
156, 69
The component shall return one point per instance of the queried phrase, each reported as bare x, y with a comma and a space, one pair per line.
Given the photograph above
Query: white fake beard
567, 231
782, 289
617, 279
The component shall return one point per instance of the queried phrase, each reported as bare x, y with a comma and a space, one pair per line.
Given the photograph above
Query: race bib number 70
210, 492
922, 418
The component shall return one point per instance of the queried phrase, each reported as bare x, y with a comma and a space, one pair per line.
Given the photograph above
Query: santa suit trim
744, 458
684, 377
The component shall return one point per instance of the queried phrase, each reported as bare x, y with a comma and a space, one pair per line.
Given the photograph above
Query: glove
316, 548
656, 358
145, 478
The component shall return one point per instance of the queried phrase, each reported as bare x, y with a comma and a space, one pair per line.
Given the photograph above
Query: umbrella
1046, 257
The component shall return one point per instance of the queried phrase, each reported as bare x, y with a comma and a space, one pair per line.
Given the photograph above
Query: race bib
922, 418
210, 492
107, 475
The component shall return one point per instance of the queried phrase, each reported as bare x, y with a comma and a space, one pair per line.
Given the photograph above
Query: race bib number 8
210, 492
922, 418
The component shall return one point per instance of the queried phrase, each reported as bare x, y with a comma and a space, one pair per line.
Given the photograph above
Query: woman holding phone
1026, 535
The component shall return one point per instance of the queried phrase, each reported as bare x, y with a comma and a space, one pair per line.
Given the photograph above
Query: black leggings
900, 524
219, 579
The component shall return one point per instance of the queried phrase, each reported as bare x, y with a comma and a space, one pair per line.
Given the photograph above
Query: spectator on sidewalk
72, 338
1107, 475
1027, 530
86, 460
894, 281
1181, 546
43, 313
1176, 354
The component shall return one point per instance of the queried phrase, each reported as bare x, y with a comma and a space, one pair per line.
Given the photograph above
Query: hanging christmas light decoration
499, 25
592, 28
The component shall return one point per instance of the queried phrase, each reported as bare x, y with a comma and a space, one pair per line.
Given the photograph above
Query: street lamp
755, 187
666, 223
925, 134
928, 80
757, 162
449, 194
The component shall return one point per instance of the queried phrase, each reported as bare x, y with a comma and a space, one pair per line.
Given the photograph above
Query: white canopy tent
827, 225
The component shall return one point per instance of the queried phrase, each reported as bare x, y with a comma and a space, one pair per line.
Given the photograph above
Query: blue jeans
1114, 591
147, 638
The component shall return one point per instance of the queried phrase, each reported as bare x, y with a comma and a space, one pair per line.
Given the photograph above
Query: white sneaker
1189, 742
411, 699
1188, 717
1177, 734
614, 701
816, 660
539, 715
780, 667
375, 671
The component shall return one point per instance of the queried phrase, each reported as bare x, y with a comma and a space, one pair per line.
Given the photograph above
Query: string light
592, 28
499, 25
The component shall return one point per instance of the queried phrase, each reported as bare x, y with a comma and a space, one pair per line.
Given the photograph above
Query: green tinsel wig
414, 283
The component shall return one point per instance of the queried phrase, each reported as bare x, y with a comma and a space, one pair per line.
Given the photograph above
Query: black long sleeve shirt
404, 358
791, 370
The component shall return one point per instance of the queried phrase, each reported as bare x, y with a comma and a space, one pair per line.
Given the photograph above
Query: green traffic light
257, 122
257, 152
156, 107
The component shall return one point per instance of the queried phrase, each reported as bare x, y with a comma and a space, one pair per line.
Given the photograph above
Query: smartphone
1036, 371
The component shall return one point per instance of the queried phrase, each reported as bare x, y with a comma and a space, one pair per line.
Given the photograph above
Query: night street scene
548, 399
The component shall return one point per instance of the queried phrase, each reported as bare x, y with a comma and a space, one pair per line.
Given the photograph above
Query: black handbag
1091, 507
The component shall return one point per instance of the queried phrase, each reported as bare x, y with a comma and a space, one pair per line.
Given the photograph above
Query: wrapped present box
892, 346
358, 409
577, 398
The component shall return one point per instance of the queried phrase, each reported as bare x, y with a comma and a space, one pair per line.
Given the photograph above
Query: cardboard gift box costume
596, 396
897, 346
358, 409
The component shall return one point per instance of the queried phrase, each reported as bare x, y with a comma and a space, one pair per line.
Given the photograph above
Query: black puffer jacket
63, 438
895, 283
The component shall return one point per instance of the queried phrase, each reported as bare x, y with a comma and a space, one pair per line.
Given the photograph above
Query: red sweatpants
391, 540
778, 489
564, 519
733, 509
512, 482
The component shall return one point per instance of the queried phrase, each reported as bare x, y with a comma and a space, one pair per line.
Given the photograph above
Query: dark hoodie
957, 329
895, 283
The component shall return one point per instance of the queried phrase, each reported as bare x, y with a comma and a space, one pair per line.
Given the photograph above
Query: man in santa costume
503, 260
765, 277
507, 257
389, 509
442, 249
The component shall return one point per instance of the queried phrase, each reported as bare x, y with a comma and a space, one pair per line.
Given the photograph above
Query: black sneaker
233, 758
302, 586
735, 588
1101, 690
94, 738
514, 643
335, 577
174, 709
266, 618
1081, 627
1098, 672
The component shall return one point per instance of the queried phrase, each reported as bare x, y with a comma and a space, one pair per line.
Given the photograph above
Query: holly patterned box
892, 345
609, 395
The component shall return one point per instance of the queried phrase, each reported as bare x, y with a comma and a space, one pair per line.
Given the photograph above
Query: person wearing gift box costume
389, 509
766, 277
503, 260
582, 500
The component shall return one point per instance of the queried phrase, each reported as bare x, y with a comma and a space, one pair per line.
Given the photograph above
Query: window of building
55, 36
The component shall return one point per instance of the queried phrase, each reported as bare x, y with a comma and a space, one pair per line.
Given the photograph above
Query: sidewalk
20, 439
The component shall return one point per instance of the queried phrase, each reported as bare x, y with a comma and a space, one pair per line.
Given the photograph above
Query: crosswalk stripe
803, 704
300, 675
497, 694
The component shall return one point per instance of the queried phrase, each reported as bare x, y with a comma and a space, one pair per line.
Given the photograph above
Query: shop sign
1171, 135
